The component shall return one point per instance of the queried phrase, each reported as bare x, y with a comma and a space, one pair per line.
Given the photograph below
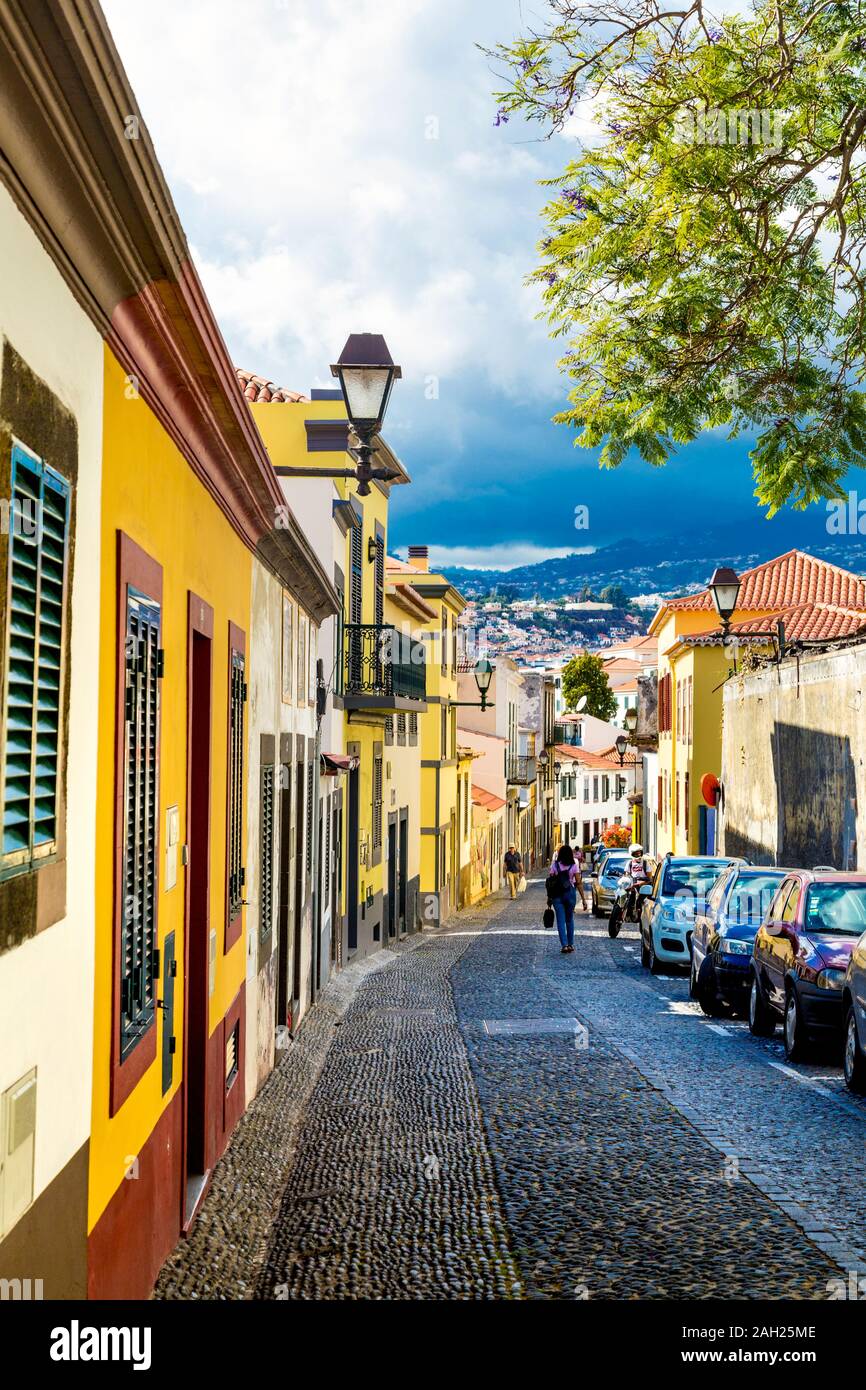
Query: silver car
604, 882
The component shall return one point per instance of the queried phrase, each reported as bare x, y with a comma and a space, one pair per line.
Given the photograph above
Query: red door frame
201, 622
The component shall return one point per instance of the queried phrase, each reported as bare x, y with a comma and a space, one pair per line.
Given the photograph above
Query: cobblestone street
491, 1119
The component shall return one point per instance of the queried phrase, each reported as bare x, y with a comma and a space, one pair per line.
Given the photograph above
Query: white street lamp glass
483, 674
366, 392
725, 598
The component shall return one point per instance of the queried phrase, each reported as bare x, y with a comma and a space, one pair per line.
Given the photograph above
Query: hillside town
354, 930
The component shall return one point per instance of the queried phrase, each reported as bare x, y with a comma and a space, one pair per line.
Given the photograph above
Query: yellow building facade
441, 833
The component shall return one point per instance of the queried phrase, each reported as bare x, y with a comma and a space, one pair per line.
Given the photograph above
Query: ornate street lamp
366, 373
724, 590
483, 673
621, 745
630, 720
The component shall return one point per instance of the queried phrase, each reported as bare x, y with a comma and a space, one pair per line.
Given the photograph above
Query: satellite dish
581, 705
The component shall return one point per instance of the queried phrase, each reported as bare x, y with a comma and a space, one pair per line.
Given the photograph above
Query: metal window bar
141, 745
237, 873
266, 875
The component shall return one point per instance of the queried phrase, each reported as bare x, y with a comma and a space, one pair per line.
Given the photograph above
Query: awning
335, 763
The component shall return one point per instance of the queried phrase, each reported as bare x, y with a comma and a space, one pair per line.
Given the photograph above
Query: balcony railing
381, 663
521, 770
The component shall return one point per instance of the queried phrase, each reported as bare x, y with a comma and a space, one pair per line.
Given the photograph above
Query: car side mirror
645, 890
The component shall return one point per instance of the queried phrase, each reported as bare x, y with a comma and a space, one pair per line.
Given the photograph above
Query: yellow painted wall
708, 667
150, 493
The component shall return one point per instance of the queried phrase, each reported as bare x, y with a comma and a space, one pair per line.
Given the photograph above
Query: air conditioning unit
17, 1149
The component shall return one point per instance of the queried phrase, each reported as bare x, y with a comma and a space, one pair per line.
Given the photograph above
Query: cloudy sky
337, 169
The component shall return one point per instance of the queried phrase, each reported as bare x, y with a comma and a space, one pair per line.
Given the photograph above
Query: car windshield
752, 896
692, 880
615, 864
836, 908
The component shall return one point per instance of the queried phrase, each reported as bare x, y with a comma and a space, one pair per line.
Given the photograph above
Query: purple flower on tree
575, 197
550, 277
715, 34
501, 116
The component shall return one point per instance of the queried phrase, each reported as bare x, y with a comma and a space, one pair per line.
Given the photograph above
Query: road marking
804, 1080
717, 1028
494, 1026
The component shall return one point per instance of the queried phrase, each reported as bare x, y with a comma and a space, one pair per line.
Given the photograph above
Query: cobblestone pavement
488, 1118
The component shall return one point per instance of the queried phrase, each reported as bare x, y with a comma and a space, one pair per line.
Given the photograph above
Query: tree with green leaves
585, 675
615, 595
704, 257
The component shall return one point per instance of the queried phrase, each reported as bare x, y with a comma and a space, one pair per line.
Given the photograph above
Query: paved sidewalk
459, 1119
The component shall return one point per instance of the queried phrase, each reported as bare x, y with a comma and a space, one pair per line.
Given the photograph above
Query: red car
800, 956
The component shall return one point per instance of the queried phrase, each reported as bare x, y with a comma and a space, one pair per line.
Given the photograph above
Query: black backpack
558, 884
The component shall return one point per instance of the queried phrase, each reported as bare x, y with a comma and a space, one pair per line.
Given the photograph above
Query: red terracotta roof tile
804, 622
788, 581
488, 800
258, 389
605, 758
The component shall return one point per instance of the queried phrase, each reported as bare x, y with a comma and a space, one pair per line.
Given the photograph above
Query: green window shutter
38, 540
140, 780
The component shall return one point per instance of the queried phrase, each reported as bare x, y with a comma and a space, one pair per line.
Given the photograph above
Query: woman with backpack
562, 895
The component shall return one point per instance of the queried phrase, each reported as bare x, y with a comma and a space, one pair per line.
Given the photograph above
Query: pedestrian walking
562, 895
513, 868
578, 882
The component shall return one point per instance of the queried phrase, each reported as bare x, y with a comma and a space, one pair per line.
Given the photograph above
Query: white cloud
497, 557
295, 138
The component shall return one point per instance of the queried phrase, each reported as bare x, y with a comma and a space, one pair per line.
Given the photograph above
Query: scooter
626, 905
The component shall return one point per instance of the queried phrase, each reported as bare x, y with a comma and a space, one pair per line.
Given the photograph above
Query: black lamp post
621, 745
366, 374
724, 590
483, 677
483, 673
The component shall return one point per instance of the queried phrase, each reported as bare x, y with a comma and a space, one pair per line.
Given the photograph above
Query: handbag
549, 918
521, 887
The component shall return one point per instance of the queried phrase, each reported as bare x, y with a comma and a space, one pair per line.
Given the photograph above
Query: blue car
604, 883
723, 935
680, 887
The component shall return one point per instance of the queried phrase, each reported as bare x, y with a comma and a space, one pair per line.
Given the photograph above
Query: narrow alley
489, 1119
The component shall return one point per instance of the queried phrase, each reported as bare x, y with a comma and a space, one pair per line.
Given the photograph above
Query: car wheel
706, 992
596, 910
854, 1059
761, 1021
693, 983
653, 961
644, 953
796, 1039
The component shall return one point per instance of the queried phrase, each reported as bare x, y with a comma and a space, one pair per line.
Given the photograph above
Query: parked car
801, 956
605, 880
724, 933
679, 889
854, 1010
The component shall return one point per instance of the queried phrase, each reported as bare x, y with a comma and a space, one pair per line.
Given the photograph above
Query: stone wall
793, 751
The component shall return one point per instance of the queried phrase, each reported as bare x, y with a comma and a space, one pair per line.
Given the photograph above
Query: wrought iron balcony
521, 770
382, 668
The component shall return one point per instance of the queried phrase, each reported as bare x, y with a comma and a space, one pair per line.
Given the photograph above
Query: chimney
418, 556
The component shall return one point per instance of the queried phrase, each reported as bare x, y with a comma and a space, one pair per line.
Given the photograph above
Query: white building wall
46, 984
